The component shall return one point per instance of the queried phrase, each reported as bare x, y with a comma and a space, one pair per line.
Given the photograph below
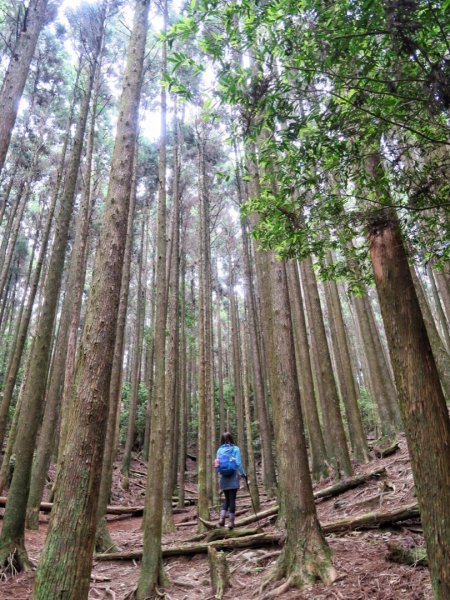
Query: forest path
359, 556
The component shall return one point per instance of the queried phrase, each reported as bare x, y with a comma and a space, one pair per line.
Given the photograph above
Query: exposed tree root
274, 592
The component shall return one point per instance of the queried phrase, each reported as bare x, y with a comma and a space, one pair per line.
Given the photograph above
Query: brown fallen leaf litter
359, 556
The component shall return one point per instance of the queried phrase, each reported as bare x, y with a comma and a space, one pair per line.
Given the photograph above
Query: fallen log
348, 484
251, 541
111, 510
368, 520
219, 571
373, 519
414, 557
328, 492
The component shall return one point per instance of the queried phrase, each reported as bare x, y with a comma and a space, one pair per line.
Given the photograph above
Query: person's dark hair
226, 438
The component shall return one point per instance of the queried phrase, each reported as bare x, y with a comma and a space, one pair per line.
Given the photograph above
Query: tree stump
220, 573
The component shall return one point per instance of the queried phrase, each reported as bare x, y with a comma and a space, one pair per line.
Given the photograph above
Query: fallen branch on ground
250, 541
373, 519
367, 520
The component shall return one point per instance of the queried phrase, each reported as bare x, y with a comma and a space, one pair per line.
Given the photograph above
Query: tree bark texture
422, 403
34, 389
66, 559
17, 71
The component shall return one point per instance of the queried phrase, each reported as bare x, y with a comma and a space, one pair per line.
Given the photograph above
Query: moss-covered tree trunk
65, 565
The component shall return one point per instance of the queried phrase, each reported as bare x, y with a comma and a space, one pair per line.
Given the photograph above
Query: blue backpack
227, 462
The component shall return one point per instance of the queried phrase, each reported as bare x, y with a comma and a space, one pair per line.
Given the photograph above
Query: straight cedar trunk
17, 71
12, 537
440, 354
385, 365
65, 566
237, 362
103, 540
182, 396
443, 288
251, 464
16, 357
422, 404
374, 370
150, 364
202, 505
306, 555
259, 393
340, 456
173, 350
69, 321
151, 576
349, 391
441, 319
319, 467
220, 365
136, 364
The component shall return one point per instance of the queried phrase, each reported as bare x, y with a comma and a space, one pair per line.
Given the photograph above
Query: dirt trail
359, 556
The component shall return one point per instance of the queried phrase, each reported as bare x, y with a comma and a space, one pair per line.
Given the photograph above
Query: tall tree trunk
12, 537
306, 554
237, 361
17, 72
136, 365
14, 364
422, 403
340, 456
202, 505
251, 464
220, 365
70, 312
182, 397
152, 570
440, 354
66, 560
173, 350
375, 372
103, 540
439, 308
349, 391
319, 467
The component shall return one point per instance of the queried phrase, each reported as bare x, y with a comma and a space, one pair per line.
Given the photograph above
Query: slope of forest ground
359, 556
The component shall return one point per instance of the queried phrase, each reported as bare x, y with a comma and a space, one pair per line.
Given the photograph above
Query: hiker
229, 467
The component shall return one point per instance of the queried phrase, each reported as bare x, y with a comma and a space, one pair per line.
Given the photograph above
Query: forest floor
364, 573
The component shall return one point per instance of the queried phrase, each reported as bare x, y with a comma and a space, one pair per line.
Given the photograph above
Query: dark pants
229, 503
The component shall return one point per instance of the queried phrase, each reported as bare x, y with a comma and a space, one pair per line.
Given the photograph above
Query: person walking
230, 468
